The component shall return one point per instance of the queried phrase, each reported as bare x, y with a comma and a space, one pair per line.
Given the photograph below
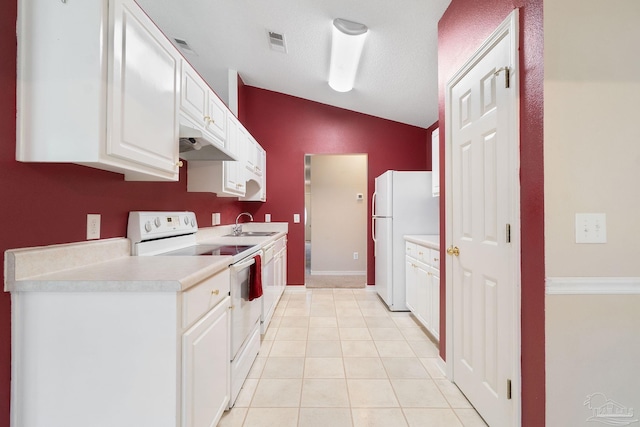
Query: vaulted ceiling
397, 77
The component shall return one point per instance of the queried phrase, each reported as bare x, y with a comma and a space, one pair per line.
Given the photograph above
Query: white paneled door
483, 217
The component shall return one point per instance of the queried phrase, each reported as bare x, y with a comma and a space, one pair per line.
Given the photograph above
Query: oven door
245, 314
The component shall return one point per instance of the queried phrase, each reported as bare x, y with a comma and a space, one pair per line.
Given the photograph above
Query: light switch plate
591, 228
296, 218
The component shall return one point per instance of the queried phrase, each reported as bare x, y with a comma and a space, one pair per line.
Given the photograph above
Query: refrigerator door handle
373, 221
373, 203
373, 228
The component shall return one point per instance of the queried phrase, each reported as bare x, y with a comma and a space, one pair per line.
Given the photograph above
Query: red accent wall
42, 204
289, 127
461, 31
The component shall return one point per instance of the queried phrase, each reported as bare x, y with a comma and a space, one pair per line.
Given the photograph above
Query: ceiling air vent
277, 43
184, 46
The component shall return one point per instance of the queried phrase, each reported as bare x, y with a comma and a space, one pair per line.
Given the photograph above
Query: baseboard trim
592, 286
337, 273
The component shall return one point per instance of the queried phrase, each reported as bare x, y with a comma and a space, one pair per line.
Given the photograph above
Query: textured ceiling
397, 76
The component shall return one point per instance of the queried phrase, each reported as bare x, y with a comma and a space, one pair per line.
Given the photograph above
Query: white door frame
508, 28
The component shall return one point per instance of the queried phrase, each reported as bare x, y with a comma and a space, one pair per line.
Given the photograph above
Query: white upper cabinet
197, 101
255, 164
98, 84
435, 162
254, 161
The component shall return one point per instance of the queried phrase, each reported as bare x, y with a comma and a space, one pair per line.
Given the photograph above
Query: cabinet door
205, 369
233, 172
260, 160
216, 117
410, 282
193, 94
435, 303
142, 100
250, 154
422, 294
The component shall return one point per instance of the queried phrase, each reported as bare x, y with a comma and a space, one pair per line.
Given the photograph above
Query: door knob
453, 250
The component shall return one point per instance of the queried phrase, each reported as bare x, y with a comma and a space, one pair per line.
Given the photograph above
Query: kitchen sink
253, 234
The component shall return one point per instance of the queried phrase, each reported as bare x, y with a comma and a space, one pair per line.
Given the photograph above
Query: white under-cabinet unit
423, 280
105, 358
245, 178
225, 178
97, 85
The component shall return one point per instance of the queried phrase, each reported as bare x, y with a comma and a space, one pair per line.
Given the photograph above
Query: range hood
195, 146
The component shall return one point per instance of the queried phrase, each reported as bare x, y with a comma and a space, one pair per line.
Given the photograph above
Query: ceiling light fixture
346, 48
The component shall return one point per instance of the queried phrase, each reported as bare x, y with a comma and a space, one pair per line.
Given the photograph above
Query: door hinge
508, 233
509, 389
507, 72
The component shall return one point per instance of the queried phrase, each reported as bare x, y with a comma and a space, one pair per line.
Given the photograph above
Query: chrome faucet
237, 229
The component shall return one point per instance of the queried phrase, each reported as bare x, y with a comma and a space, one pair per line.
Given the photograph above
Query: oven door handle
242, 265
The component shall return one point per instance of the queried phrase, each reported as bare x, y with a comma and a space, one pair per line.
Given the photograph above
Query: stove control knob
186, 220
157, 222
193, 222
147, 226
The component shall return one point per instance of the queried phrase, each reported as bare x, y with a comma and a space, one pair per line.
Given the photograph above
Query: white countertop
428, 240
107, 265
128, 274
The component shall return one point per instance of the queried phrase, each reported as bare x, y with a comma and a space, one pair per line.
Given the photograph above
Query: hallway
339, 358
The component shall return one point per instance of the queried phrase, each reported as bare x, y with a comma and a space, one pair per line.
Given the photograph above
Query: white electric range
174, 234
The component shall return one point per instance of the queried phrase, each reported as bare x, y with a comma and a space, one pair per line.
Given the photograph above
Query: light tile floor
339, 358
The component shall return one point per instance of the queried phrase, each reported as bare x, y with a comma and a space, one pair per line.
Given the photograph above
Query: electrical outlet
296, 218
93, 226
215, 219
355, 255
267, 217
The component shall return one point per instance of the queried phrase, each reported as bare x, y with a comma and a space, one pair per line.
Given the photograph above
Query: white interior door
483, 217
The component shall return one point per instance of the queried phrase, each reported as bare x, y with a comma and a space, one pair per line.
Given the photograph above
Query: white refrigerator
402, 204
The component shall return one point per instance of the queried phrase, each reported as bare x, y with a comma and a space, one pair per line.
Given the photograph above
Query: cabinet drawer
201, 298
429, 256
281, 243
423, 254
411, 250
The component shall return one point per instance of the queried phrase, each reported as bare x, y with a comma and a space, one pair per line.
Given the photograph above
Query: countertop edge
429, 240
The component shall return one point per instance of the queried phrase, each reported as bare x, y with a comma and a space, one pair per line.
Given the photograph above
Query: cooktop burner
209, 250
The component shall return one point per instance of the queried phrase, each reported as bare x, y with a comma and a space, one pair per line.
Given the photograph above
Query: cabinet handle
180, 163
208, 119
436, 259
215, 292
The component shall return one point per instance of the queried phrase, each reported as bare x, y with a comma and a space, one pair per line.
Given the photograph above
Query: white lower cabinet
274, 279
205, 372
129, 359
423, 286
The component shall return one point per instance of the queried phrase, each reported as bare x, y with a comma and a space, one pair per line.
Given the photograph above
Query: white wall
592, 165
338, 220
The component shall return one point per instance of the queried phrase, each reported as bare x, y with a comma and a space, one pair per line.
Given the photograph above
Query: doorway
483, 223
335, 220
